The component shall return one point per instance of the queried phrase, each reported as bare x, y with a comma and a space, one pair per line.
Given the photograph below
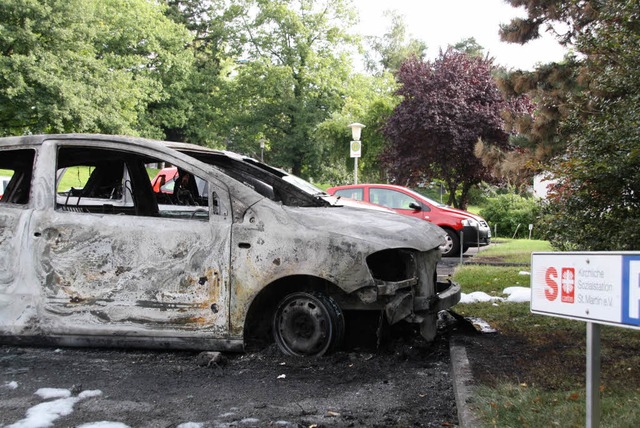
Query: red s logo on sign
551, 290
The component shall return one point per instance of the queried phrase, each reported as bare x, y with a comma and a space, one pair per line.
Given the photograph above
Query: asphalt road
447, 264
406, 383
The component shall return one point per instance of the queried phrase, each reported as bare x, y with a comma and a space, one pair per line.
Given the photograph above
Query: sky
440, 23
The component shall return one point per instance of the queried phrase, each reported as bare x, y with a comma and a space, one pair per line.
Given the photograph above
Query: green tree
296, 60
144, 44
85, 65
369, 100
389, 51
469, 46
552, 88
512, 167
596, 205
200, 98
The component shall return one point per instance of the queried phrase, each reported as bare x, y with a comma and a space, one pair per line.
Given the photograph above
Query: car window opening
16, 168
106, 181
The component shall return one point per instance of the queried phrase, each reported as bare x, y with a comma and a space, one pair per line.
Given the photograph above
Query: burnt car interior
19, 164
262, 178
119, 183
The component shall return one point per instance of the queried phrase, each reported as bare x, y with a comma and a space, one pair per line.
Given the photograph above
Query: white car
235, 250
4, 182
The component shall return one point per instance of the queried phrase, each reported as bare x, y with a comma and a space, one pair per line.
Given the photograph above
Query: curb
488, 263
462, 384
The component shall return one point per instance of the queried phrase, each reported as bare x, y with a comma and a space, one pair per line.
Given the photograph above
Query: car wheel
451, 246
308, 325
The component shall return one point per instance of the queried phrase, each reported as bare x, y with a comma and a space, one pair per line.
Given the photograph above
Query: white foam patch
518, 294
479, 297
48, 393
105, 424
44, 415
514, 295
90, 393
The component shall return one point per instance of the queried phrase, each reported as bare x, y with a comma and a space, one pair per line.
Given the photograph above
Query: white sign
356, 149
599, 287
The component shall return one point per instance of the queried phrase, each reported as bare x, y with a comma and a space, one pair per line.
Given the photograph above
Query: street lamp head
356, 129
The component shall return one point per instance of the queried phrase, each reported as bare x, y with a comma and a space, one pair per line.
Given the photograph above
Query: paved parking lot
405, 383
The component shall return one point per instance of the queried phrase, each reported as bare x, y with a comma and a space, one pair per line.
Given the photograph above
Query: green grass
77, 177
74, 177
489, 279
474, 209
520, 405
548, 387
152, 172
513, 250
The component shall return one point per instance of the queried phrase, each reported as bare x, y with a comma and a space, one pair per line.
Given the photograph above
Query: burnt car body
237, 249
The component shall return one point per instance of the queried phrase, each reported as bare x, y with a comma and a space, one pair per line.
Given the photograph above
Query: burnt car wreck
231, 248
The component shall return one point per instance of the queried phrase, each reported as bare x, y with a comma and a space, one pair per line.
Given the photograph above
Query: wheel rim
447, 246
305, 325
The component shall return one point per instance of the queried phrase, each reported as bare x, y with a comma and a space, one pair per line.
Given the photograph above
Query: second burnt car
91, 255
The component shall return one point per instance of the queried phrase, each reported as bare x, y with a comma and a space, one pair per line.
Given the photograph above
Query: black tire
451, 247
308, 325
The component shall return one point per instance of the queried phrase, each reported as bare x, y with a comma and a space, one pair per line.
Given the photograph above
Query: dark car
475, 230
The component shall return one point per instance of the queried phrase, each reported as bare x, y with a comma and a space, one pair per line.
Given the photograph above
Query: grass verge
511, 405
77, 177
512, 251
532, 373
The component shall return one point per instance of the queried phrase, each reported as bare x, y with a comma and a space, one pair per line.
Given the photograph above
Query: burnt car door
118, 262
16, 165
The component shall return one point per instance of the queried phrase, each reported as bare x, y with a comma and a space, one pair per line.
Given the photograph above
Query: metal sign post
355, 147
356, 151
355, 170
593, 375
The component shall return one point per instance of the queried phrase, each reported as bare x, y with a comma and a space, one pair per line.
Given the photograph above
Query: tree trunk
452, 187
464, 197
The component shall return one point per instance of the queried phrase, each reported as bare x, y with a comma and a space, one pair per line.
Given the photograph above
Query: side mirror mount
415, 206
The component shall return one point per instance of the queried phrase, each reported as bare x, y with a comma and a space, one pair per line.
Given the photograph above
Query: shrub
505, 212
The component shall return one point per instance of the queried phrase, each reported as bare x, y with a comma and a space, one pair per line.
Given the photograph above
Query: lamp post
355, 147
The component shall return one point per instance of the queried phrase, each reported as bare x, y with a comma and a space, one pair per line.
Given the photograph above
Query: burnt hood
385, 229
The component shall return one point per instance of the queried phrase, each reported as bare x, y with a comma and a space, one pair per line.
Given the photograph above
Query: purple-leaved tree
448, 106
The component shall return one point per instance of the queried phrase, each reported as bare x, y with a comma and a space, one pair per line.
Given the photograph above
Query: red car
476, 231
164, 181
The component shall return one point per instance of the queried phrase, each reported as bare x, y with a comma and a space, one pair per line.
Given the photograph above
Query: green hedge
505, 212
